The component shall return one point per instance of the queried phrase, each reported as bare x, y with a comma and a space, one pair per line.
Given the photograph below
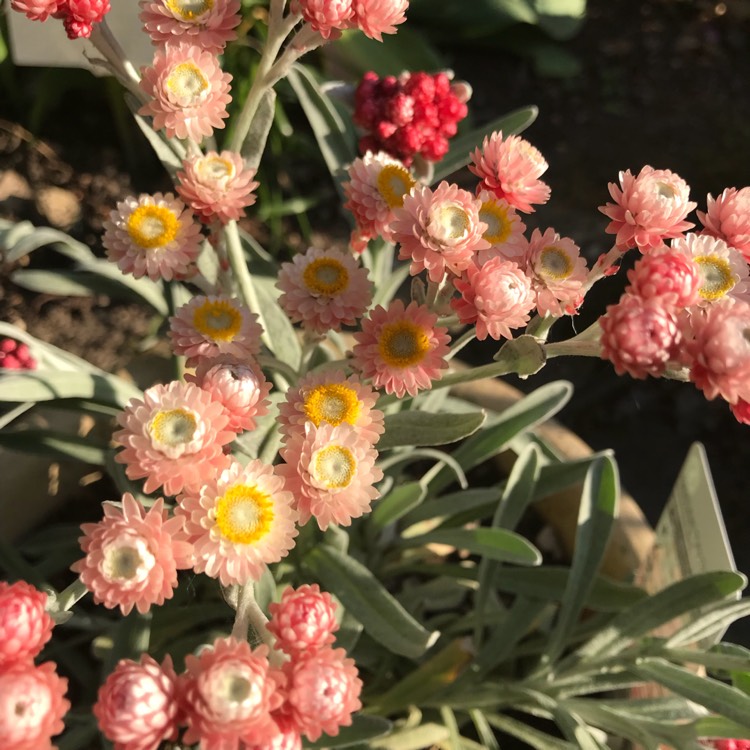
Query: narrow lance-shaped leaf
397, 503
55, 444
415, 428
363, 729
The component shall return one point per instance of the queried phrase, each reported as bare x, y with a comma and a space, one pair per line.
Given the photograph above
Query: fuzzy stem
70, 595
105, 42
251, 617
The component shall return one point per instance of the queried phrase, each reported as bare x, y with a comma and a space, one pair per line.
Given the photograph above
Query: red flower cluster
78, 16
728, 744
15, 356
415, 113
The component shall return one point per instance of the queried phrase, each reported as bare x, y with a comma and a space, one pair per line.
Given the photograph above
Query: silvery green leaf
416, 428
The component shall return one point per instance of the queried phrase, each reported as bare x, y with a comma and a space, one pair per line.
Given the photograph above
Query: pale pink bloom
154, 236
240, 387
207, 327
228, 694
496, 297
286, 736
439, 231
728, 218
668, 274
640, 336
718, 344
401, 349
326, 16
741, 411
188, 92
723, 270
217, 186
37, 10
32, 705
173, 437
648, 208
132, 555
328, 396
323, 692
331, 473
510, 168
208, 24
24, 625
239, 521
504, 230
137, 706
324, 289
377, 17
304, 621
376, 187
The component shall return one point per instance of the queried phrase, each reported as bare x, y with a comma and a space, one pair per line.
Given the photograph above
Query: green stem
70, 595
573, 348
276, 365
250, 617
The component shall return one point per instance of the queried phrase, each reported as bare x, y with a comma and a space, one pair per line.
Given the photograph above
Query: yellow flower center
333, 403
403, 344
218, 320
152, 226
173, 427
333, 467
665, 190
326, 276
498, 224
187, 82
394, 182
244, 514
555, 263
448, 222
189, 10
213, 169
717, 276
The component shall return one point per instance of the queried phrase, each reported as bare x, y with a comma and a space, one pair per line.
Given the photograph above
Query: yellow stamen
218, 320
499, 226
244, 514
333, 403
326, 276
403, 344
152, 226
214, 169
555, 263
394, 182
189, 10
717, 276
448, 222
333, 466
173, 427
187, 81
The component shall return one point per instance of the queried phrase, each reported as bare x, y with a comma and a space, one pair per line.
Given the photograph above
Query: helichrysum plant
300, 467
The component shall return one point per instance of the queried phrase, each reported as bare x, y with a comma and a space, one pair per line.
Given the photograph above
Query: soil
661, 82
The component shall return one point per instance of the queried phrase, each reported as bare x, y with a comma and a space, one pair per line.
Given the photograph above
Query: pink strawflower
324, 289
228, 694
32, 705
154, 236
208, 24
377, 17
718, 345
331, 473
504, 231
15, 355
741, 411
132, 555
37, 10
304, 621
285, 737
439, 231
328, 17
496, 297
727, 744
323, 692
510, 168
328, 396
173, 437
81, 15
137, 707
207, 327
239, 521
648, 208
240, 387
188, 92
639, 336
728, 218
376, 187
668, 274
25, 626
217, 186
401, 349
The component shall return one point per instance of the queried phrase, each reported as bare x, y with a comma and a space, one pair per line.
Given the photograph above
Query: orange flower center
187, 82
150, 227
189, 10
218, 320
333, 403
393, 183
244, 514
499, 225
326, 276
403, 344
717, 277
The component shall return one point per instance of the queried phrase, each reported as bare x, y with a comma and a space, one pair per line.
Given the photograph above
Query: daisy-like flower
439, 231
228, 692
132, 555
557, 272
377, 17
728, 218
323, 692
504, 231
240, 387
330, 397
217, 186
209, 24
207, 327
723, 270
25, 626
648, 208
668, 274
330, 472
37, 10
510, 168
401, 349
326, 16
32, 705
239, 521
188, 92
324, 289
496, 297
173, 437
376, 187
154, 236
137, 706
